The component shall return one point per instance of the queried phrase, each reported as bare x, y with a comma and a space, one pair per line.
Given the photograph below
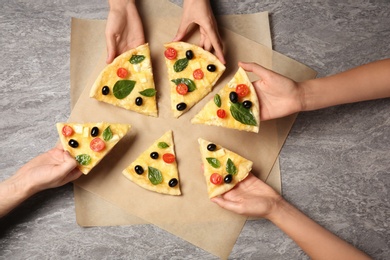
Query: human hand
200, 13
124, 30
251, 197
278, 95
51, 169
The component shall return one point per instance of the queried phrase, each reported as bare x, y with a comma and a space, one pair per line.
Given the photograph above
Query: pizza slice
128, 82
235, 106
156, 168
223, 169
89, 143
192, 73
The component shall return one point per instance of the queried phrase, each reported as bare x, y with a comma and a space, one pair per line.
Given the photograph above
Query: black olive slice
189, 55
228, 178
173, 182
94, 131
233, 96
73, 143
138, 101
211, 67
154, 155
138, 169
181, 106
211, 147
105, 90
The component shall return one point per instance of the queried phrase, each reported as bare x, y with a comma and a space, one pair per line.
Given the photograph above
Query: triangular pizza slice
156, 168
89, 143
128, 82
192, 73
223, 169
235, 106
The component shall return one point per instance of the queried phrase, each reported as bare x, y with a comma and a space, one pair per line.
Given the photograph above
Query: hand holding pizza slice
223, 169
89, 143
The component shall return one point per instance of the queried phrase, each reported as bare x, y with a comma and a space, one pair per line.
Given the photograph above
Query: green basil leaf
135, 59
162, 145
217, 100
107, 134
149, 92
214, 162
190, 83
123, 88
180, 65
230, 167
242, 114
154, 175
83, 159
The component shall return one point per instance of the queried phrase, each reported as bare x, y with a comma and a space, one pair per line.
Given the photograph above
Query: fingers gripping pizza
223, 169
235, 106
192, 73
89, 143
128, 82
156, 168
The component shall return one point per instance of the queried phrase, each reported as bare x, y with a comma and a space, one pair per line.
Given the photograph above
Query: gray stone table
335, 163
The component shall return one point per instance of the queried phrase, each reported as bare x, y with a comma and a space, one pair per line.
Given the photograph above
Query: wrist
304, 93
20, 186
279, 210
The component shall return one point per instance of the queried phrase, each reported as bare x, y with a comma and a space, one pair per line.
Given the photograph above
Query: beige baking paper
91, 210
184, 215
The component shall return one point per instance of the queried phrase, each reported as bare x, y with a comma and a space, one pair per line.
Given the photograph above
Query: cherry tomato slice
122, 73
182, 88
97, 145
67, 130
170, 53
168, 158
242, 90
216, 178
221, 113
198, 74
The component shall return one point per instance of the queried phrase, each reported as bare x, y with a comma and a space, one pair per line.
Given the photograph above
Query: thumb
110, 49
255, 68
226, 204
69, 162
181, 32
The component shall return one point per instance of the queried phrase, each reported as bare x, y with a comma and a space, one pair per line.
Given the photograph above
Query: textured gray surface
335, 163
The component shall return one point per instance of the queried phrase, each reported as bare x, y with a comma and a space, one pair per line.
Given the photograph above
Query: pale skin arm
48, 170
280, 96
199, 12
124, 29
252, 197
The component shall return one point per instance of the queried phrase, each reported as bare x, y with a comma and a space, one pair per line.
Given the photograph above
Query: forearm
315, 240
13, 191
366, 82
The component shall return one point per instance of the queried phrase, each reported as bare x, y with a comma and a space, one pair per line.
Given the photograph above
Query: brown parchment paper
183, 216
91, 210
